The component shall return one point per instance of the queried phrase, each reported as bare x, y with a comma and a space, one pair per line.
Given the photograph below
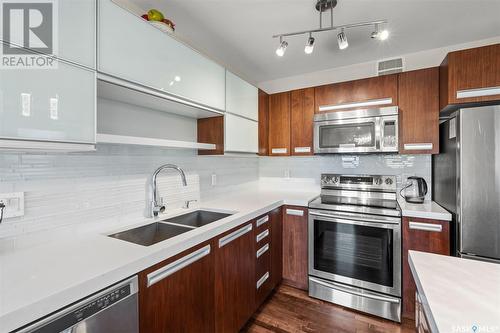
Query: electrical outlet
14, 204
214, 179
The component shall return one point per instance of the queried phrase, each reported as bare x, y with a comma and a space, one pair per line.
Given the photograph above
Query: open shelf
141, 141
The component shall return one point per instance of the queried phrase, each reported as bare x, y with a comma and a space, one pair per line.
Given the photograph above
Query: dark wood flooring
292, 310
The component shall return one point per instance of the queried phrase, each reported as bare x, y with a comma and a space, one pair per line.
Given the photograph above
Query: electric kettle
414, 190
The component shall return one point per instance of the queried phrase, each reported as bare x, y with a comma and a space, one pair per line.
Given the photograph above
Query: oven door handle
361, 221
352, 291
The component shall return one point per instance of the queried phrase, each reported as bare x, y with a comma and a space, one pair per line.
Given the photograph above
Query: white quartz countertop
426, 210
458, 295
38, 280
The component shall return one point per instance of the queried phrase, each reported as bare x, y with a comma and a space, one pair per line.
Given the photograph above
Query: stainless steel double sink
159, 231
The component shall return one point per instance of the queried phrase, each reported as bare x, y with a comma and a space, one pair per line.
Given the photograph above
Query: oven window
354, 251
347, 135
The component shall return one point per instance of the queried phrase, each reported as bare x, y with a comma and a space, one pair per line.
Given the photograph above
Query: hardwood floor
292, 310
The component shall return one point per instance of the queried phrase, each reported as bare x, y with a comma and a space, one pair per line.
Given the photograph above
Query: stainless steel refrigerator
466, 180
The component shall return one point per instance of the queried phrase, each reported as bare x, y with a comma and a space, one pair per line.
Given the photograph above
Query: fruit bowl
162, 26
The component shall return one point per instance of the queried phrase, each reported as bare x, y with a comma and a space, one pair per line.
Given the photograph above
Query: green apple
155, 15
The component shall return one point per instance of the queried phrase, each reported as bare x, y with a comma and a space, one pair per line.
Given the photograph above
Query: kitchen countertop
457, 293
38, 280
426, 210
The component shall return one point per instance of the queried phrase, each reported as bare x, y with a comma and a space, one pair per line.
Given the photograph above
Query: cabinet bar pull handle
262, 220
166, 271
426, 226
488, 91
279, 150
262, 235
262, 250
262, 280
302, 149
295, 212
371, 102
232, 236
418, 146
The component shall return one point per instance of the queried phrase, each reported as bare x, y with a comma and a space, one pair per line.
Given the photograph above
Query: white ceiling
238, 33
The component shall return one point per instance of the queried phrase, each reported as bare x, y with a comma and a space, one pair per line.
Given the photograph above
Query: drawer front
263, 237
262, 223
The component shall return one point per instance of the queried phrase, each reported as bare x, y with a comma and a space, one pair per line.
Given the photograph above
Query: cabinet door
470, 76
178, 295
276, 218
48, 104
421, 235
263, 123
234, 279
419, 111
241, 97
302, 118
364, 90
295, 269
279, 124
241, 134
132, 49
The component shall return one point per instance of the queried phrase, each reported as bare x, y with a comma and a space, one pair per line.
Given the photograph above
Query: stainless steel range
355, 244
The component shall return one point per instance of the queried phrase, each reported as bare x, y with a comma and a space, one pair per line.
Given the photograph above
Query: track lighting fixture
342, 40
280, 51
380, 34
328, 6
309, 45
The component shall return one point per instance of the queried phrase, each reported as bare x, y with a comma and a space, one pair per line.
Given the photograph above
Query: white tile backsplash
111, 185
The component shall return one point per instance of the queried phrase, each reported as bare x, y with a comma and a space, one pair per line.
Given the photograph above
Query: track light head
380, 34
280, 51
342, 40
308, 49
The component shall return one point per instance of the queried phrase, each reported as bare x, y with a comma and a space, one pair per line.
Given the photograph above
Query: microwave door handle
379, 133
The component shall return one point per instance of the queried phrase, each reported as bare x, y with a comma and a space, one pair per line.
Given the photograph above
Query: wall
418, 60
401, 166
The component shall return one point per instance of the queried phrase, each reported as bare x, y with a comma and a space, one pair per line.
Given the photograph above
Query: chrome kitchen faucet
159, 207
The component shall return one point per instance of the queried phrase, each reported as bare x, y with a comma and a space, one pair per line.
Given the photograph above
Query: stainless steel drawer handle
166, 271
262, 250
262, 220
478, 92
418, 146
354, 292
295, 212
262, 280
262, 235
426, 226
232, 236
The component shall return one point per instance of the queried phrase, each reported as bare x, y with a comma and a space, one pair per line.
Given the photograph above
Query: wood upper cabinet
470, 76
234, 278
177, 295
263, 123
211, 130
421, 235
419, 111
279, 124
373, 88
295, 268
302, 119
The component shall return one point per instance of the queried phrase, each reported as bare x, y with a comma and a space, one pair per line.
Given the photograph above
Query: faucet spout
156, 206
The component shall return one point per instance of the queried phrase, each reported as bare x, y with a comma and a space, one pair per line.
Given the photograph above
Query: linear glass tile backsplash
111, 185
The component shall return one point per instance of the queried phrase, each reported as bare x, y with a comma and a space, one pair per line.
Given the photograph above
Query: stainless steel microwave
358, 131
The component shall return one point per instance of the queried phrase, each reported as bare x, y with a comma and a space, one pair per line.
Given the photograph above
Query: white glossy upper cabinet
241, 135
241, 97
132, 49
48, 105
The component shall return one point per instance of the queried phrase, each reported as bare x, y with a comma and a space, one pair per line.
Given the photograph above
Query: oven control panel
359, 181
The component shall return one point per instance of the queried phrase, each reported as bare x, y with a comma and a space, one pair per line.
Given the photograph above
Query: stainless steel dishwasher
113, 310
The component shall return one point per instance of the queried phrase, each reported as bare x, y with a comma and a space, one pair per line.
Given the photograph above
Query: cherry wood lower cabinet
234, 278
177, 295
421, 235
276, 218
295, 268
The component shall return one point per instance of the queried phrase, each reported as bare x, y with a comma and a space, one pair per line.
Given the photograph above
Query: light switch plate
14, 204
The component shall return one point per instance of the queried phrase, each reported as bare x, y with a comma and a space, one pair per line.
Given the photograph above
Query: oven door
356, 249
361, 135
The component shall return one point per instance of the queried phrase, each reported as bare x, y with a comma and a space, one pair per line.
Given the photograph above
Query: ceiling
238, 33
